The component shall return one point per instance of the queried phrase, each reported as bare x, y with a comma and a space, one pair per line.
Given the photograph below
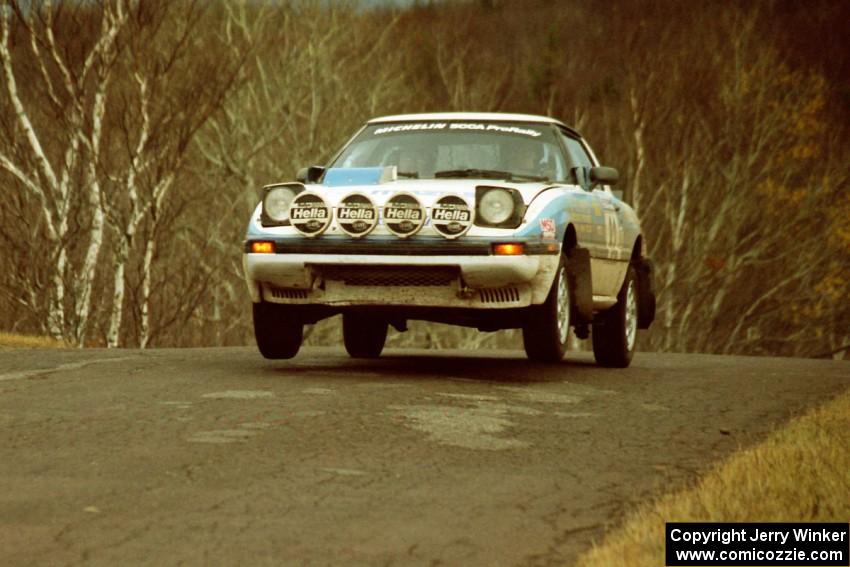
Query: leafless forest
135, 134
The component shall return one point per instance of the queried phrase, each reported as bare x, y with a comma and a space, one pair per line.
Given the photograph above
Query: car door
611, 218
585, 210
604, 236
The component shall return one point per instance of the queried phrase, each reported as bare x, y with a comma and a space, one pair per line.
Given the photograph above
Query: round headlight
496, 206
276, 203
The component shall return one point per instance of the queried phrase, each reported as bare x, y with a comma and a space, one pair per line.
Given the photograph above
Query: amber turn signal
262, 247
509, 249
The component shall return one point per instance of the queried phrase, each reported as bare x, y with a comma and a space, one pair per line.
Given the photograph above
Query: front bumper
400, 273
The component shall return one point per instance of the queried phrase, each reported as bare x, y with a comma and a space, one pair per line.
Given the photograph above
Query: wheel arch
645, 286
581, 283
637, 248
570, 238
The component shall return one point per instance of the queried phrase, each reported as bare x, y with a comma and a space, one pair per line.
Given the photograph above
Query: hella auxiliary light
403, 215
451, 216
356, 215
309, 214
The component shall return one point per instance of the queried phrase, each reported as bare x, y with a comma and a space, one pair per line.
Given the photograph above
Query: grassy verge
10, 340
800, 473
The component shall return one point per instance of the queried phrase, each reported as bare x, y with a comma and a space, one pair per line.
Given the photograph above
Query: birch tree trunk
122, 253
46, 160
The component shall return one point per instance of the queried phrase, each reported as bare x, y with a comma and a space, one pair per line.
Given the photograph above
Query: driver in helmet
416, 161
524, 158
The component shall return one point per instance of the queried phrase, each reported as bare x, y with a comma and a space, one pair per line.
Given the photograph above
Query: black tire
546, 333
278, 334
612, 344
363, 337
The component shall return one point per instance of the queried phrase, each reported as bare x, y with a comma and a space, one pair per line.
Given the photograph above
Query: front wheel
545, 334
615, 331
278, 334
363, 337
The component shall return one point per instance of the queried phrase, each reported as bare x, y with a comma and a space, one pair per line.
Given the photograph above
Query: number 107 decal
613, 234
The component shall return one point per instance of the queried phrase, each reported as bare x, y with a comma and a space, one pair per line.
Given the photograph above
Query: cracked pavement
217, 456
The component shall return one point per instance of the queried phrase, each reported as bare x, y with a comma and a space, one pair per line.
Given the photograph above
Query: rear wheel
278, 333
615, 331
545, 335
363, 337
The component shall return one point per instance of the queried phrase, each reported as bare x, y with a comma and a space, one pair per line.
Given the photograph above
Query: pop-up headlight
276, 202
498, 207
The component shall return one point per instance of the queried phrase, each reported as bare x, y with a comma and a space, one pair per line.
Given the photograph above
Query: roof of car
482, 116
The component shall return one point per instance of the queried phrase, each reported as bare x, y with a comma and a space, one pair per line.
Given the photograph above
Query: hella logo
356, 214
450, 215
402, 214
305, 213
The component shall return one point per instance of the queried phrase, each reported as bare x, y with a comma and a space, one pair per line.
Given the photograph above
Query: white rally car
492, 221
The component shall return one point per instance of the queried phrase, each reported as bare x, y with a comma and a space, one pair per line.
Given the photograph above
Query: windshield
457, 149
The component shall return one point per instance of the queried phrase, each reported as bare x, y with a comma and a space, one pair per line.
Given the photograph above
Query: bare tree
318, 70
175, 84
734, 171
134, 137
99, 132
49, 145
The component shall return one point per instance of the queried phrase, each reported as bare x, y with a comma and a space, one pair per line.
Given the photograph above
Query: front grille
391, 276
287, 293
499, 295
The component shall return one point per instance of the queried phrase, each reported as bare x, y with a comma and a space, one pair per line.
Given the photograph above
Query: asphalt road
219, 457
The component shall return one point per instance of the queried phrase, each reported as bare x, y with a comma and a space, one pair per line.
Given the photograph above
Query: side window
580, 162
553, 166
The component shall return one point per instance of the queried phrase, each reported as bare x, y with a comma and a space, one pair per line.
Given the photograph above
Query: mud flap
578, 269
646, 292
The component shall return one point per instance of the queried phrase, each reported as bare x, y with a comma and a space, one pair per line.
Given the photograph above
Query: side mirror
604, 175
310, 174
